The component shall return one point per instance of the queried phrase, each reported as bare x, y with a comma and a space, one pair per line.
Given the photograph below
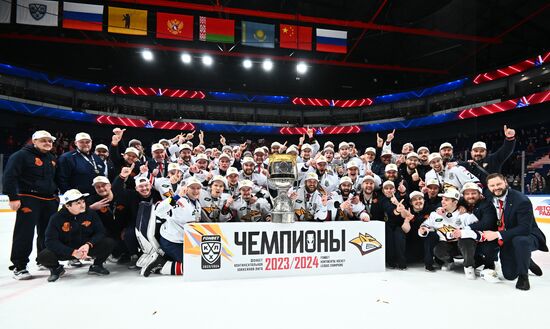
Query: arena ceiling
391, 46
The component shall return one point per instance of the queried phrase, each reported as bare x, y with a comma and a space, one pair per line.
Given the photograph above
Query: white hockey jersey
256, 212
455, 177
212, 207
309, 206
447, 223
177, 212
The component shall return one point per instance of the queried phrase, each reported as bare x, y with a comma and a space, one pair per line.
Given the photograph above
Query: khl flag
216, 29
82, 16
37, 12
127, 21
522, 102
258, 34
174, 26
5, 11
332, 41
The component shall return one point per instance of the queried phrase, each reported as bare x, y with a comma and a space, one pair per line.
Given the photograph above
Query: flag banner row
90, 17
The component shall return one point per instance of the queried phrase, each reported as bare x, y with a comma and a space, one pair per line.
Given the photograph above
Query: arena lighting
247, 64
207, 60
186, 58
147, 55
301, 68
267, 65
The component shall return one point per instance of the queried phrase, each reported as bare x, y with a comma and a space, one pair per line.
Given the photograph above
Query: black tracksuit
395, 237
76, 171
492, 163
29, 176
486, 252
67, 232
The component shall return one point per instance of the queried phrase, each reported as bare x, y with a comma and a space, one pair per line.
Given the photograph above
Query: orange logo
86, 223
38, 162
103, 210
66, 227
26, 210
120, 207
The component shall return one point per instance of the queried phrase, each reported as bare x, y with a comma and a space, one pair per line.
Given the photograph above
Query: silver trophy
282, 175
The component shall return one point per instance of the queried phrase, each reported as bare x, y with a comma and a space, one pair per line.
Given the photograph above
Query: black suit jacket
519, 219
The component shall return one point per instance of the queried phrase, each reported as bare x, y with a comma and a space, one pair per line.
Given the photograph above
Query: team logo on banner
366, 243
211, 247
37, 10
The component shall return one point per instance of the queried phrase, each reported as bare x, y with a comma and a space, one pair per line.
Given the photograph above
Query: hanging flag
174, 26
127, 21
82, 16
37, 12
258, 34
149, 124
295, 37
5, 11
522, 102
332, 41
216, 29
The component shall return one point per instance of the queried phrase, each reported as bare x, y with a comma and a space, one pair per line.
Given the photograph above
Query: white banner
37, 12
253, 250
541, 207
5, 11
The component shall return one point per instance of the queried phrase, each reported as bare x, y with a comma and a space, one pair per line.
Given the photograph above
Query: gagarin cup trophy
282, 175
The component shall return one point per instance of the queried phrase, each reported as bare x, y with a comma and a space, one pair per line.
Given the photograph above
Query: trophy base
282, 217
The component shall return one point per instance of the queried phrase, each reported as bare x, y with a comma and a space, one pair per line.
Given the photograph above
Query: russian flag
522, 102
81, 16
332, 41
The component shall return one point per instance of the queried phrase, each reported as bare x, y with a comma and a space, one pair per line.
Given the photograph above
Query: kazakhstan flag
258, 34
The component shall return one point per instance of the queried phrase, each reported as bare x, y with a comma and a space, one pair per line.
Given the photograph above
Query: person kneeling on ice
445, 222
75, 232
182, 208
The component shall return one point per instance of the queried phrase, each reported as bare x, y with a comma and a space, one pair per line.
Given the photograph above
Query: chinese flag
173, 26
295, 37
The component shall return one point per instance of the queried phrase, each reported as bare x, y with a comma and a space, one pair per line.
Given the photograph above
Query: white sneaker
489, 275
470, 273
447, 267
21, 274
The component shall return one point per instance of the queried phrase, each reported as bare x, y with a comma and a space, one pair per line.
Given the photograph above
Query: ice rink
393, 299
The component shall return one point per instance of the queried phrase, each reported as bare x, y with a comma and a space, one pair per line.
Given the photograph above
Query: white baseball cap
470, 186
388, 182
81, 136
174, 166
345, 179
480, 145
248, 160
73, 195
231, 171
157, 147
351, 144
422, 148
415, 194
432, 181
311, 175
390, 167
412, 155
328, 149
102, 147
202, 156
276, 144
328, 144
246, 183
368, 177
291, 149
371, 150
42, 134
141, 179
352, 164
192, 181
386, 152
218, 178
306, 146
446, 144
164, 140
259, 150
227, 147
132, 150
100, 179
224, 155
433, 156
343, 144
451, 194
133, 142
321, 159
185, 146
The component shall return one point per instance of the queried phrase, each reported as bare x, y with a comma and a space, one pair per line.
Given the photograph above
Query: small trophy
282, 174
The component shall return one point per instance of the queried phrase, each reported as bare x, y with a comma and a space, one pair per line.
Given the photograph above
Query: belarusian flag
216, 29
